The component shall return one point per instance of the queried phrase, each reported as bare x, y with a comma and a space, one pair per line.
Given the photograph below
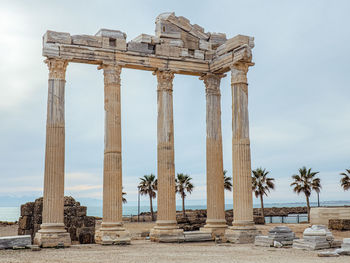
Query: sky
299, 93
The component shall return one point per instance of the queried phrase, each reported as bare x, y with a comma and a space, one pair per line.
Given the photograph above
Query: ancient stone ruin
316, 237
279, 236
178, 47
80, 226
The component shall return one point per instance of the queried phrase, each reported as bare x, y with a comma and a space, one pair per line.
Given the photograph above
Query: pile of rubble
344, 250
80, 226
279, 236
315, 238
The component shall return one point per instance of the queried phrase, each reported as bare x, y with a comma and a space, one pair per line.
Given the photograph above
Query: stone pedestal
112, 230
216, 222
52, 232
166, 229
243, 229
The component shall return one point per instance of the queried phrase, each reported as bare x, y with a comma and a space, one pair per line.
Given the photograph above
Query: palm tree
227, 182
148, 186
305, 182
182, 185
261, 185
345, 181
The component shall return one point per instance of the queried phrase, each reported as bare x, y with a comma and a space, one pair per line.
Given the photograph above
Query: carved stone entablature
165, 80
57, 68
178, 46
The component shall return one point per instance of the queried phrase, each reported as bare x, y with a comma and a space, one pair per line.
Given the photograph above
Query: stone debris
280, 236
315, 238
197, 236
15, 242
33, 247
328, 254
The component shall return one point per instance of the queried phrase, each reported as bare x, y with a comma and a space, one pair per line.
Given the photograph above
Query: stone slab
57, 37
328, 254
116, 34
141, 47
263, 241
86, 40
15, 241
197, 236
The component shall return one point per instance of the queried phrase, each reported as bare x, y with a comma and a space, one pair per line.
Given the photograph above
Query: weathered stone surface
144, 38
140, 47
86, 40
57, 37
263, 241
86, 235
74, 218
172, 42
328, 254
199, 54
281, 234
116, 34
322, 215
197, 236
168, 51
15, 241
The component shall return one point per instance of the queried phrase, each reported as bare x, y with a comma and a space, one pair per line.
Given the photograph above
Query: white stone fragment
277, 244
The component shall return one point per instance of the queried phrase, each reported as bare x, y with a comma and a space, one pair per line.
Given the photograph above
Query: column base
114, 234
216, 227
167, 232
241, 234
52, 235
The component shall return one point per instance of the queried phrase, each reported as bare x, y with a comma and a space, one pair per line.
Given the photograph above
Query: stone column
216, 222
52, 232
243, 229
166, 229
112, 230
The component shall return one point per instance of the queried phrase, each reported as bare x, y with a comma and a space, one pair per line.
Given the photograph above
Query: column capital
165, 79
239, 72
212, 82
111, 73
57, 68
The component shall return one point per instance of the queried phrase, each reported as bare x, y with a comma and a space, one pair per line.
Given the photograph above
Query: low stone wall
80, 226
339, 224
322, 215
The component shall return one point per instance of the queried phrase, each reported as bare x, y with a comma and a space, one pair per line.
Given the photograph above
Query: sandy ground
146, 251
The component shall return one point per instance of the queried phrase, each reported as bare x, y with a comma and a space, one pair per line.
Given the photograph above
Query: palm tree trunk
308, 208
262, 207
151, 206
183, 206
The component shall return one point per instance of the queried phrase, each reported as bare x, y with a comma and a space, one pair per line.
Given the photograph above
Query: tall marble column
112, 230
166, 229
216, 222
243, 229
52, 231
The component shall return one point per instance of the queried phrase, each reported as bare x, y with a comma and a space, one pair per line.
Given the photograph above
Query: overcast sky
299, 94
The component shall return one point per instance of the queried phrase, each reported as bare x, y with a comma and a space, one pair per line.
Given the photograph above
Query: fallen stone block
328, 254
263, 241
277, 244
15, 241
197, 236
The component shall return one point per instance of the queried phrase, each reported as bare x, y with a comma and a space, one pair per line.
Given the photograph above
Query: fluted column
216, 222
112, 229
52, 230
243, 223
166, 203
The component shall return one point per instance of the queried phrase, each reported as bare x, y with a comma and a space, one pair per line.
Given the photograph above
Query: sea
11, 214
